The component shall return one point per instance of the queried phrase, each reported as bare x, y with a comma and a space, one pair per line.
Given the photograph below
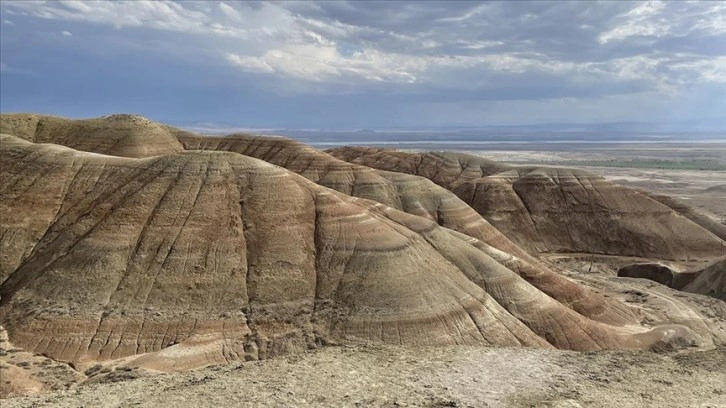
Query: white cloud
477, 44
638, 21
230, 11
302, 43
705, 71
161, 15
321, 63
660, 19
250, 64
66, 34
8, 22
715, 22
470, 14
77, 6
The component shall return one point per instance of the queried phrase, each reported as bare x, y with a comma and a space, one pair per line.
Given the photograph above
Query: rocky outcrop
707, 280
656, 272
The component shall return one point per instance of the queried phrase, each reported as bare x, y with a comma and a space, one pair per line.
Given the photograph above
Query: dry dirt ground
377, 376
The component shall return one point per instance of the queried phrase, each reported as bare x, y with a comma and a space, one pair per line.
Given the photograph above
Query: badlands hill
554, 210
131, 256
414, 195
130, 242
116, 135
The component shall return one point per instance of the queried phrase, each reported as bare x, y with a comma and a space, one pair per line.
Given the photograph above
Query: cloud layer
451, 51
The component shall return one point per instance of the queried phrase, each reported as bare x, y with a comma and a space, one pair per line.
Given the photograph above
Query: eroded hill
116, 135
552, 210
247, 247
414, 195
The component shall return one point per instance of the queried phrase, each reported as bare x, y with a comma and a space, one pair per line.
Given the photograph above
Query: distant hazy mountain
704, 125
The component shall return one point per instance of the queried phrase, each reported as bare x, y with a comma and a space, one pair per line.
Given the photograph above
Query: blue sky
366, 64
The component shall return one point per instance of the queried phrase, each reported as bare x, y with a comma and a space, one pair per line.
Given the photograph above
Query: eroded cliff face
247, 247
412, 194
204, 257
418, 196
554, 210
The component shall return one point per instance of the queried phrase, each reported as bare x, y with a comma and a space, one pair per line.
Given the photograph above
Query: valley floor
376, 376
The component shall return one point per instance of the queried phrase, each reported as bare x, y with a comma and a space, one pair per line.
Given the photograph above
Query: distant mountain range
705, 125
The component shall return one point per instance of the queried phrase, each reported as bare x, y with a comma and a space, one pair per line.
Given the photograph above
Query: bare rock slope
709, 280
117, 135
552, 209
123, 247
418, 196
200, 257
23, 373
708, 223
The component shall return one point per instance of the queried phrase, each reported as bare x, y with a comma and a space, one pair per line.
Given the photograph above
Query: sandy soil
375, 376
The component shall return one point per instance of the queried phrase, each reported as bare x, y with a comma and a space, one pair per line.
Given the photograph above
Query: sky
374, 65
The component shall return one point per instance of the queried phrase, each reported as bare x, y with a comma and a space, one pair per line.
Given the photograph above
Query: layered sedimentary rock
709, 280
200, 257
418, 196
117, 135
23, 373
408, 193
551, 209
172, 259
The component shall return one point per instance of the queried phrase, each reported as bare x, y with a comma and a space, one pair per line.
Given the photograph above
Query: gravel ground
376, 376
